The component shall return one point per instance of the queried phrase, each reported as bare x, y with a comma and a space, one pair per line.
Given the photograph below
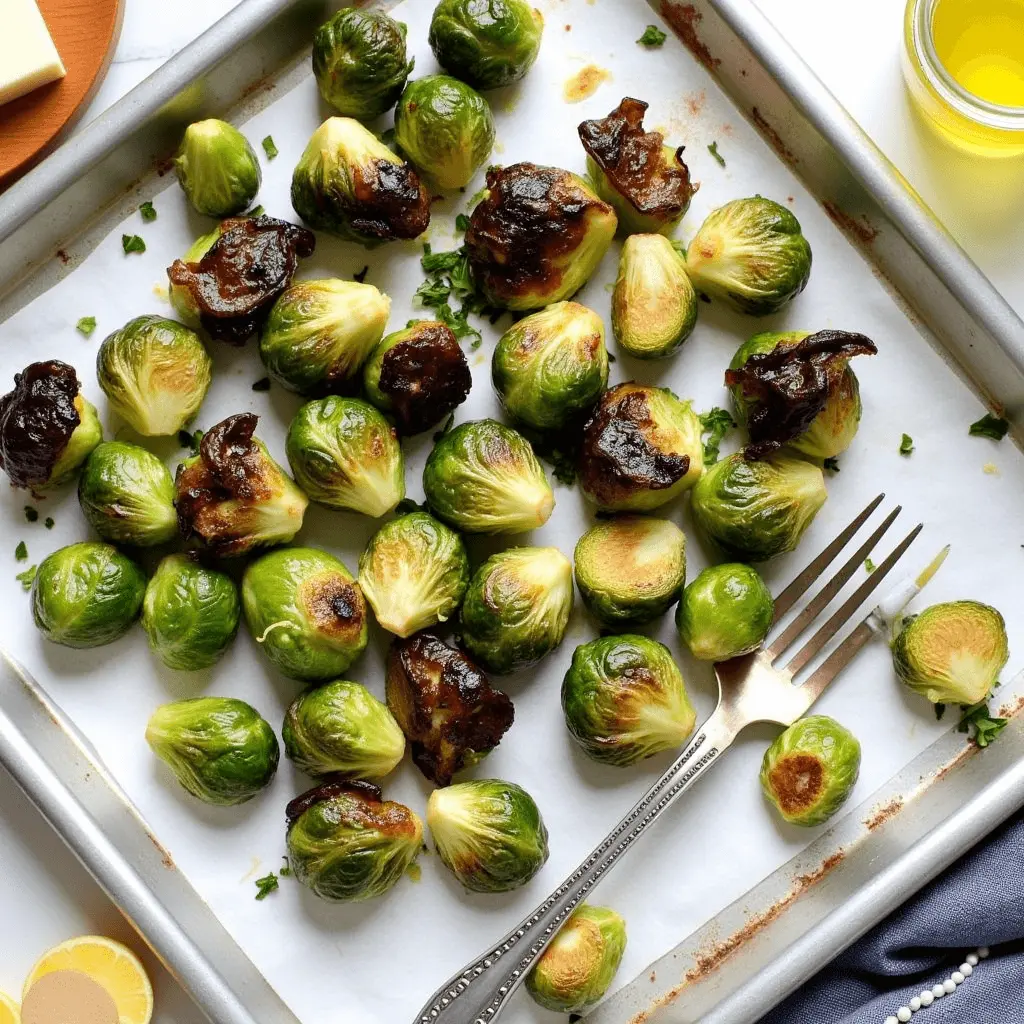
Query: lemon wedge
9, 1010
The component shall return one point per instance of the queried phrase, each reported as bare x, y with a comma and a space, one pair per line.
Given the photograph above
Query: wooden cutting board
85, 33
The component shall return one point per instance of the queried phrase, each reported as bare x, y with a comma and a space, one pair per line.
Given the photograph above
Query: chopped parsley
189, 440
147, 211
286, 870
991, 426
831, 464
407, 505
653, 36
869, 566
985, 727
906, 444
266, 885
444, 430
21, 551
86, 325
360, 275
713, 150
263, 384
27, 578
132, 243
31, 514
449, 278
940, 710
563, 465
716, 424
48, 523
462, 223
269, 148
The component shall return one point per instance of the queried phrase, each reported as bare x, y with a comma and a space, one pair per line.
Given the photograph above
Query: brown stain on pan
884, 813
860, 229
684, 19
774, 138
165, 858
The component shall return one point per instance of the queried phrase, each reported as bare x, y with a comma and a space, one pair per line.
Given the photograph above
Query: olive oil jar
964, 66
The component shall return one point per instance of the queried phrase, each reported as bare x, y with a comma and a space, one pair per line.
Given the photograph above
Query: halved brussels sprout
755, 510
725, 612
630, 569
489, 833
751, 254
345, 455
810, 770
340, 729
217, 168
127, 495
445, 128
482, 477
219, 749
517, 608
576, 970
155, 374
414, 573
347, 844
306, 612
654, 306
182, 300
641, 448
190, 613
624, 699
319, 334
487, 45
359, 62
952, 652
551, 367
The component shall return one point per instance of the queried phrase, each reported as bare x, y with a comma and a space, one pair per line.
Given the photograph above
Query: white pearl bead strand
943, 988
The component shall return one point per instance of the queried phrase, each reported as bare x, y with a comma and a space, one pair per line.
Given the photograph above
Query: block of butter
28, 58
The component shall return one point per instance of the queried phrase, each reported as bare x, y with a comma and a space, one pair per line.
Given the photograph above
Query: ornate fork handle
478, 993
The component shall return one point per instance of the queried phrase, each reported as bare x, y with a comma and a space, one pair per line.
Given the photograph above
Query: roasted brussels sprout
446, 706
952, 652
536, 236
232, 496
645, 181
190, 613
219, 749
517, 608
725, 612
486, 44
342, 730
350, 184
414, 573
217, 168
810, 770
305, 610
755, 510
359, 62
751, 254
319, 334
482, 477
345, 455
346, 843
181, 297
86, 595
630, 569
47, 429
550, 368
641, 448
654, 306
418, 375
575, 971
489, 833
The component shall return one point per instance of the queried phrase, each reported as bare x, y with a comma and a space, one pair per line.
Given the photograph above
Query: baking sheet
721, 839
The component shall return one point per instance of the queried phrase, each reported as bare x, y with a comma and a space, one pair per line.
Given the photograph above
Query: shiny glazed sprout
725, 612
217, 168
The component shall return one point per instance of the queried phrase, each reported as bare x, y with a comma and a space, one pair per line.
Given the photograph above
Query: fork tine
799, 586
835, 663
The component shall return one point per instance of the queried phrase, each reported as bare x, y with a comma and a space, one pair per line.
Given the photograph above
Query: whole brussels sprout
190, 613
347, 844
350, 184
755, 510
414, 573
155, 374
486, 44
127, 495
549, 368
641, 448
751, 254
536, 236
630, 569
725, 612
654, 306
624, 699
217, 168
340, 729
359, 62
418, 375
305, 610
489, 833
47, 429
482, 477
517, 608
952, 652
810, 770
86, 595
319, 334
576, 970
345, 455
219, 749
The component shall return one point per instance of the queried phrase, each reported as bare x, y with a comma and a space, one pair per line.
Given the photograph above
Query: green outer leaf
725, 612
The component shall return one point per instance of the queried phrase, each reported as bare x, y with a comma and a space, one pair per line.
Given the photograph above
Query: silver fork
752, 688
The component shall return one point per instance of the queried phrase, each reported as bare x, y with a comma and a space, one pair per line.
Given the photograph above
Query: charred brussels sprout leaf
725, 612
217, 168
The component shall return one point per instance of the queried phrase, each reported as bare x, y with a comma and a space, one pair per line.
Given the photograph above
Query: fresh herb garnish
906, 444
27, 578
991, 426
563, 465
148, 211
48, 523
286, 870
462, 223
444, 429
269, 148
256, 211
869, 566
449, 278
263, 384
716, 424
713, 150
31, 514
266, 885
21, 551
132, 243
653, 36
940, 710
831, 464
407, 505
86, 325
190, 440
360, 276
985, 727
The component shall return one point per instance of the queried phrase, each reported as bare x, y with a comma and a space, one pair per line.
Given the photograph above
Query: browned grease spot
165, 857
334, 605
796, 782
884, 813
969, 750
773, 137
695, 102
861, 229
685, 18
63, 256
1011, 709
585, 83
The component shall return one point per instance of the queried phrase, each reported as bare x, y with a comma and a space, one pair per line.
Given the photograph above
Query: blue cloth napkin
979, 901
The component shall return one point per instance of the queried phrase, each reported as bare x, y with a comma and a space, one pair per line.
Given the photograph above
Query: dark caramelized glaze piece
328, 790
391, 203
